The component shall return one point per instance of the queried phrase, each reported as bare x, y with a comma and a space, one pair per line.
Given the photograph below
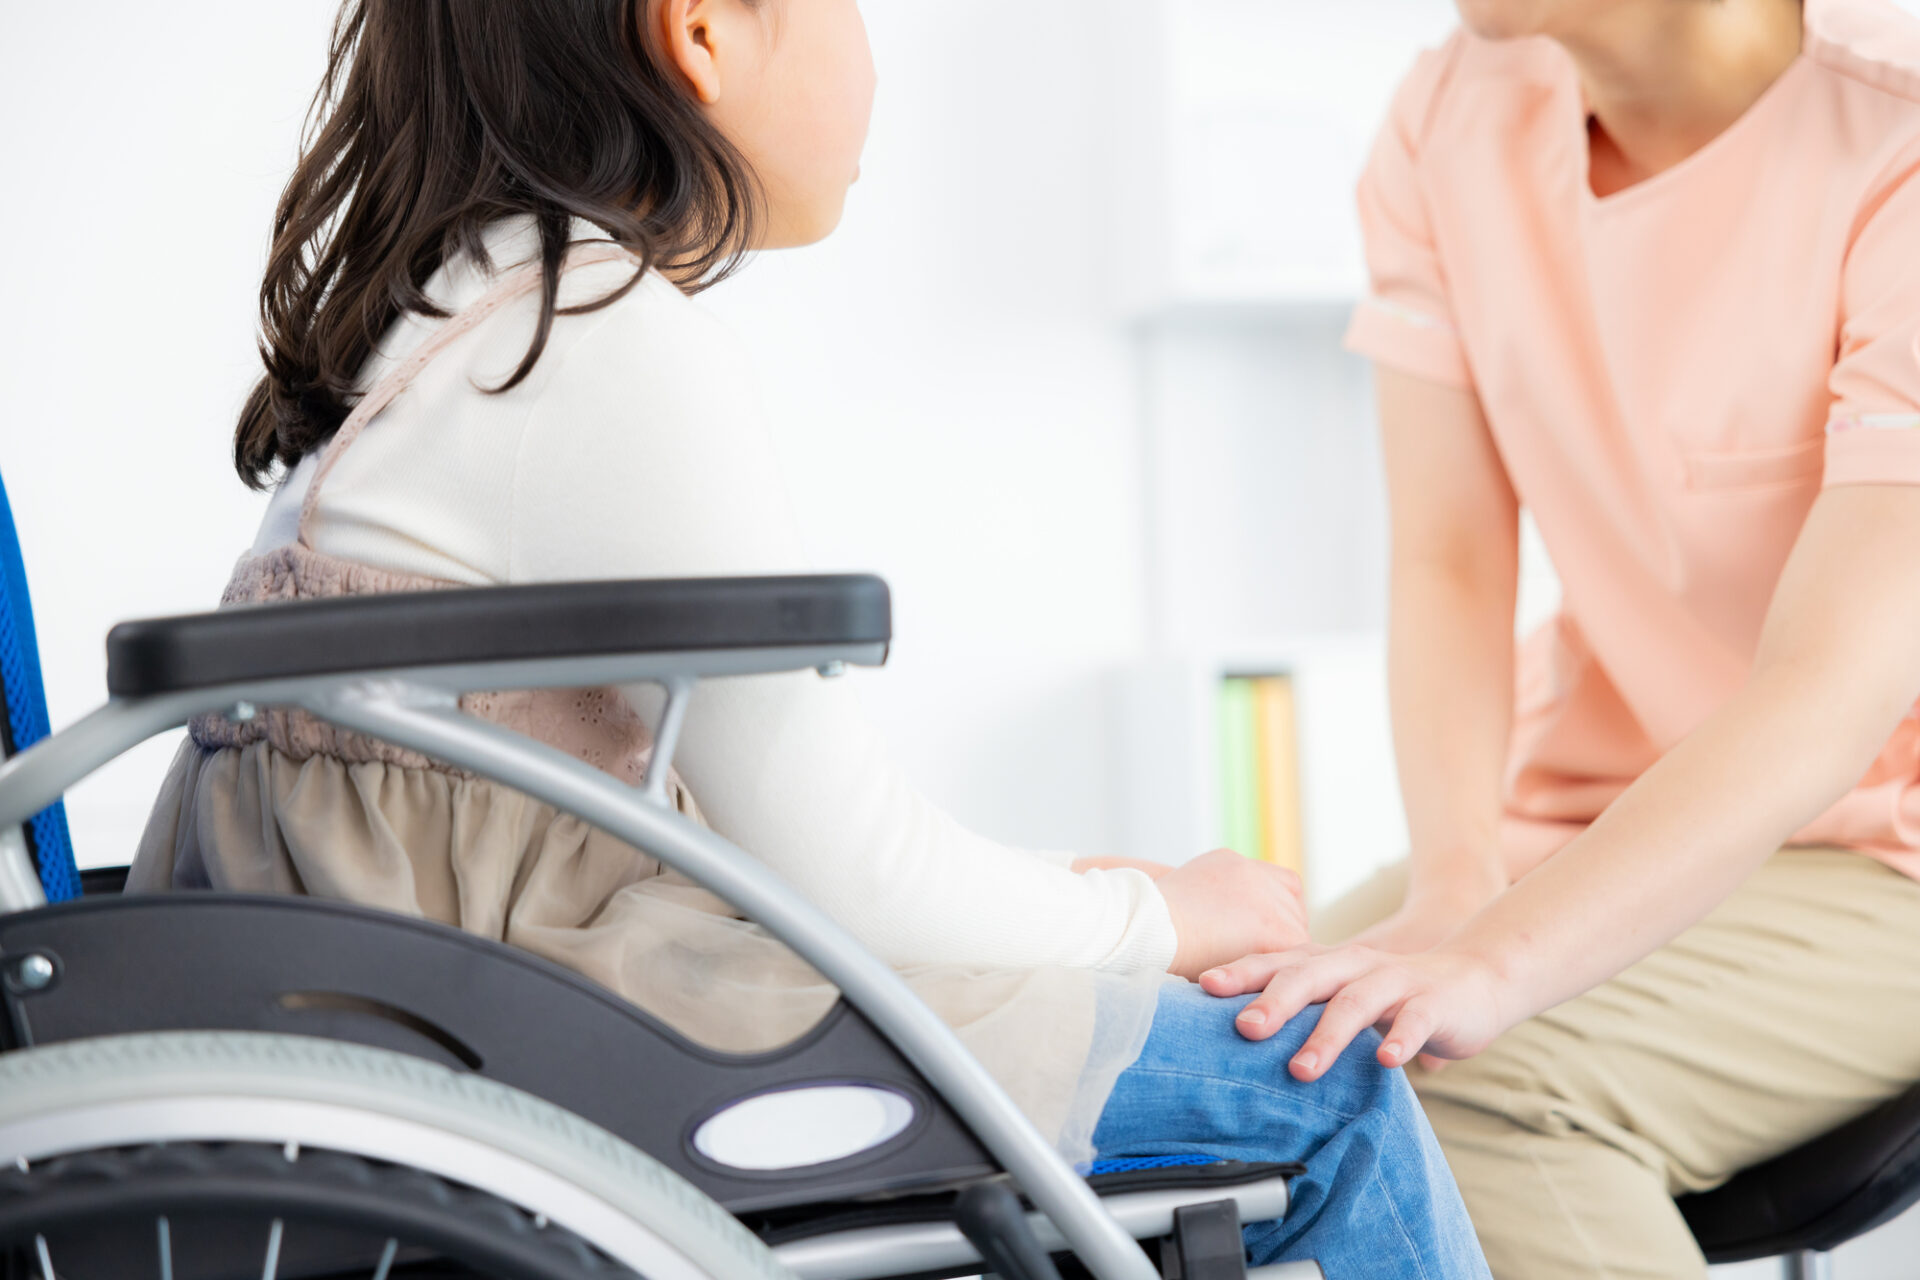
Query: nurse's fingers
1353, 1009
1412, 1027
1296, 986
1250, 973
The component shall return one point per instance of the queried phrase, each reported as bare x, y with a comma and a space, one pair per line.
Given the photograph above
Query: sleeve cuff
1879, 448
1409, 341
1149, 943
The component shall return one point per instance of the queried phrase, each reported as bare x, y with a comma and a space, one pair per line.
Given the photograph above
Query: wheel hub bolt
33, 973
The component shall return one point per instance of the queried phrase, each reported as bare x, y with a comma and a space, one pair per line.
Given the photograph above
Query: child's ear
689, 36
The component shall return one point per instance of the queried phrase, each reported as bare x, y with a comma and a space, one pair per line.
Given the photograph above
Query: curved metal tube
430, 726
36, 777
41, 774
19, 880
421, 713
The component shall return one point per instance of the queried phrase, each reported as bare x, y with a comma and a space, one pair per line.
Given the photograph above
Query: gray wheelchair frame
417, 708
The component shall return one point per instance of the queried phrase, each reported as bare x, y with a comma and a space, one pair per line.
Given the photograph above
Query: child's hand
1152, 870
1225, 906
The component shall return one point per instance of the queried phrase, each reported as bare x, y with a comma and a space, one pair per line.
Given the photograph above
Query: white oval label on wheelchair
798, 1128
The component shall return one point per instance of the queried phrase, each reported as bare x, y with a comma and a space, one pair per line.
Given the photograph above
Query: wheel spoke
272, 1268
355, 1192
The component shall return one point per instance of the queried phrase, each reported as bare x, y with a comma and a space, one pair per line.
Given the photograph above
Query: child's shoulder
650, 334
600, 302
637, 358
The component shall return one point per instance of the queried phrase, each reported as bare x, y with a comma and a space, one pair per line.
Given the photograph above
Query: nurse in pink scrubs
1649, 269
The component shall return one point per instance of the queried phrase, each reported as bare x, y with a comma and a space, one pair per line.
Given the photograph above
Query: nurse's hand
1443, 1003
1436, 909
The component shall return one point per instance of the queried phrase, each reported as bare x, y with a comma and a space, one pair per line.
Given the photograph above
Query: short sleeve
1407, 321
1873, 428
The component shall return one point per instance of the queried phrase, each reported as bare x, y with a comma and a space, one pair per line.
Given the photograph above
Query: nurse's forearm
1672, 847
1450, 667
1837, 670
1663, 855
1456, 567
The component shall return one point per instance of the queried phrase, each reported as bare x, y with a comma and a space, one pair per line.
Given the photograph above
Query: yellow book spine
1277, 751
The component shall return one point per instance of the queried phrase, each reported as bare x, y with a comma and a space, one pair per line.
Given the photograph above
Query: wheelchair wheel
244, 1210
200, 1156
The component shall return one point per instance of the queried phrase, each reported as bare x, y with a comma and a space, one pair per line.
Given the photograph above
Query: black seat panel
1819, 1195
494, 624
221, 962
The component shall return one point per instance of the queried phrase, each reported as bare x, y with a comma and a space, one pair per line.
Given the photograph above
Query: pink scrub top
1671, 375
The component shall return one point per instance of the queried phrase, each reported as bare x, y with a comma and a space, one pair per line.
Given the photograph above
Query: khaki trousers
1792, 1008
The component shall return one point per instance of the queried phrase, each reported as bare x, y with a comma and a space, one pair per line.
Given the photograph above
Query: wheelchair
196, 1086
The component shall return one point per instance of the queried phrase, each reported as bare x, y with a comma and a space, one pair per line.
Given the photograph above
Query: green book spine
1239, 766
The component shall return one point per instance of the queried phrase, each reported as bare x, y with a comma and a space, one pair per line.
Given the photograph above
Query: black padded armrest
495, 625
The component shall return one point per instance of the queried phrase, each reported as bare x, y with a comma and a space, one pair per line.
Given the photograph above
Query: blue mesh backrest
23, 716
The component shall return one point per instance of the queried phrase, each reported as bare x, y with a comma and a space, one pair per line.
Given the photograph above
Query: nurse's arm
1450, 653
1838, 668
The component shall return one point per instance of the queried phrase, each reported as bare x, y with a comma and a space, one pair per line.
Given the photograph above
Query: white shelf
1350, 808
1265, 502
1242, 128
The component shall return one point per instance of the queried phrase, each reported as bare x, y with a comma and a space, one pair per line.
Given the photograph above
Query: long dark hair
437, 117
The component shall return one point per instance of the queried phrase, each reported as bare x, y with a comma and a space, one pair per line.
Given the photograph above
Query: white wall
956, 406
954, 402
956, 398
144, 148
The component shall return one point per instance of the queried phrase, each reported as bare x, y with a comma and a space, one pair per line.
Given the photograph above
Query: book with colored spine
1240, 823
1277, 752
1259, 770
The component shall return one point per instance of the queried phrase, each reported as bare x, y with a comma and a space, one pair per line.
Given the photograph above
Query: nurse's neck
1663, 78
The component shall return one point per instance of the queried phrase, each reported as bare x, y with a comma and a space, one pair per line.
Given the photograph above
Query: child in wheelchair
484, 366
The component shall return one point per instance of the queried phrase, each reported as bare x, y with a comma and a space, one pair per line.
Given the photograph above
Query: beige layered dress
288, 804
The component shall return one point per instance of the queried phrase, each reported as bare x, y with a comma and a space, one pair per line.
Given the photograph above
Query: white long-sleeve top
638, 449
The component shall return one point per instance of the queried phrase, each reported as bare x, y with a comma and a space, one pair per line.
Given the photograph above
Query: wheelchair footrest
1205, 1244
921, 1239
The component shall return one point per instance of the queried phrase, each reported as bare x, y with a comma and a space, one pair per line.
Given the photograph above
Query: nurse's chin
1511, 19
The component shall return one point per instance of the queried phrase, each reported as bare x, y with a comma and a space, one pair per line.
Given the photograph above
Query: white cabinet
1267, 537
1242, 127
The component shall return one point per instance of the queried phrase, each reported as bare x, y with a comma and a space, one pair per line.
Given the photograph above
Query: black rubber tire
390, 1116
98, 1212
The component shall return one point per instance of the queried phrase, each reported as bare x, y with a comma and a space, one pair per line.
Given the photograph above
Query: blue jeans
1376, 1199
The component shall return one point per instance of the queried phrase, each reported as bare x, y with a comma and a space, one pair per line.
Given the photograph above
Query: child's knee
1372, 1086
